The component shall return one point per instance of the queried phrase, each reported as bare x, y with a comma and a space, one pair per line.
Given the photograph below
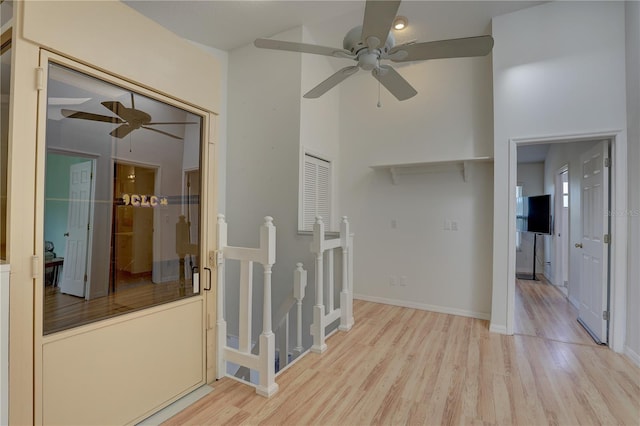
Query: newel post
267, 385
318, 327
221, 324
346, 300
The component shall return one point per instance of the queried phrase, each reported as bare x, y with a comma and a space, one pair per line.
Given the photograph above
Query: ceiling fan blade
394, 82
453, 48
164, 133
378, 18
266, 43
122, 131
330, 82
171, 122
114, 106
69, 113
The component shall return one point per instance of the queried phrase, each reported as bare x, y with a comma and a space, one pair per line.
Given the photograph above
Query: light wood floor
405, 366
543, 310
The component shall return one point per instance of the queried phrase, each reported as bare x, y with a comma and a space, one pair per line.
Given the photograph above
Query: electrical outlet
447, 225
403, 281
394, 224
454, 225
392, 281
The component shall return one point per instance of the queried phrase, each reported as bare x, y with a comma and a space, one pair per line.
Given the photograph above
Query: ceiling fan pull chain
379, 105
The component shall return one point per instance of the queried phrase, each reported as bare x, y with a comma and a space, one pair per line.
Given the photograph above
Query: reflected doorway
133, 227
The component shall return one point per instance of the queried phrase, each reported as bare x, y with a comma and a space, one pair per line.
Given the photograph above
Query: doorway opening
132, 238
553, 307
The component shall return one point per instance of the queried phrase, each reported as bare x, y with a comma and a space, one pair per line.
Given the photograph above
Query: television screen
539, 214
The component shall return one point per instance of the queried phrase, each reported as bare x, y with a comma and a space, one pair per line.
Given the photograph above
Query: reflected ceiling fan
373, 41
129, 119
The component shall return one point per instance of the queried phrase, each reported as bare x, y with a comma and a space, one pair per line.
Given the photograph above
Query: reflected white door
595, 225
74, 271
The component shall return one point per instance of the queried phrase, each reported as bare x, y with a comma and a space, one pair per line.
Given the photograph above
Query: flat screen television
534, 214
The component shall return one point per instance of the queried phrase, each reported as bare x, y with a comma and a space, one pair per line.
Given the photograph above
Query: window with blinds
316, 192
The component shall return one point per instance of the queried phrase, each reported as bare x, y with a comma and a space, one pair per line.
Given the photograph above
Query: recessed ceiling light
400, 23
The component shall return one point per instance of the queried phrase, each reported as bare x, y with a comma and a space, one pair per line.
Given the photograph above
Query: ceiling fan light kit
400, 23
363, 44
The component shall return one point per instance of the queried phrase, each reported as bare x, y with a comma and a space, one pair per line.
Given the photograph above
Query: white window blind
316, 192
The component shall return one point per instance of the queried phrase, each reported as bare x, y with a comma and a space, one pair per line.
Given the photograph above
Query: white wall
319, 118
558, 69
264, 132
449, 118
632, 344
221, 124
531, 178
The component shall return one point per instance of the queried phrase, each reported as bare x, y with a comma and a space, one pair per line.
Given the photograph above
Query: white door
595, 230
74, 270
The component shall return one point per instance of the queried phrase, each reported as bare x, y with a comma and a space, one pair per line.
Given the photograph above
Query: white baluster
330, 283
221, 324
299, 285
246, 304
346, 299
318, 328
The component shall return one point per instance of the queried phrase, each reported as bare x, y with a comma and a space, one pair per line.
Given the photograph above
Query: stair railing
325, 315
264, 361
282, 323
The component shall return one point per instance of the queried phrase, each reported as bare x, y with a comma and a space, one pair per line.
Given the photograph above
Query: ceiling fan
373, 41
129, 119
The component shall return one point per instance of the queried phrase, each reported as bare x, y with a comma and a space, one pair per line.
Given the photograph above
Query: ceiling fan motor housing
354, 43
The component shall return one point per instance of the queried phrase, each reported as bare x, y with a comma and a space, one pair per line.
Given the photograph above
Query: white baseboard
632, 355
499, 329
424, 307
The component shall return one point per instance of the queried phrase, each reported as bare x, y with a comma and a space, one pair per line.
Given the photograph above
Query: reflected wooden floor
542, 310
405, 366
62, 311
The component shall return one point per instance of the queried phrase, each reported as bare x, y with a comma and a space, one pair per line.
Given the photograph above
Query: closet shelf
431, 167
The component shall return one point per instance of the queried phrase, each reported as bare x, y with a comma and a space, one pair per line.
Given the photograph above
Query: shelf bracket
394, 175
465, 170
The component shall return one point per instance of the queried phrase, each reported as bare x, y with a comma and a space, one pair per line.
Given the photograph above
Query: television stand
531, 277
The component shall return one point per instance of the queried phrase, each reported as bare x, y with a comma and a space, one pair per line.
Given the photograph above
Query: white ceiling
229, 24
532, 153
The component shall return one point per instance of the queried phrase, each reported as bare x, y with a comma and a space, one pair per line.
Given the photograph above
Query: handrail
325, 315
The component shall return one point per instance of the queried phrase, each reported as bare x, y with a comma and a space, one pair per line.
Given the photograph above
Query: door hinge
607, 239
607, 162
88, 227
605, 315
85, 278
39, 78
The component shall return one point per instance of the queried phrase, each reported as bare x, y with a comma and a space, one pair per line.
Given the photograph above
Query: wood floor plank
431, 368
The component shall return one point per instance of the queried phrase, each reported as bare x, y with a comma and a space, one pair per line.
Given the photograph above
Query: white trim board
424, 307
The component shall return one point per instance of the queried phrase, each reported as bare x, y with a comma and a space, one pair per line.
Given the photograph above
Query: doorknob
66, 234
578, 245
